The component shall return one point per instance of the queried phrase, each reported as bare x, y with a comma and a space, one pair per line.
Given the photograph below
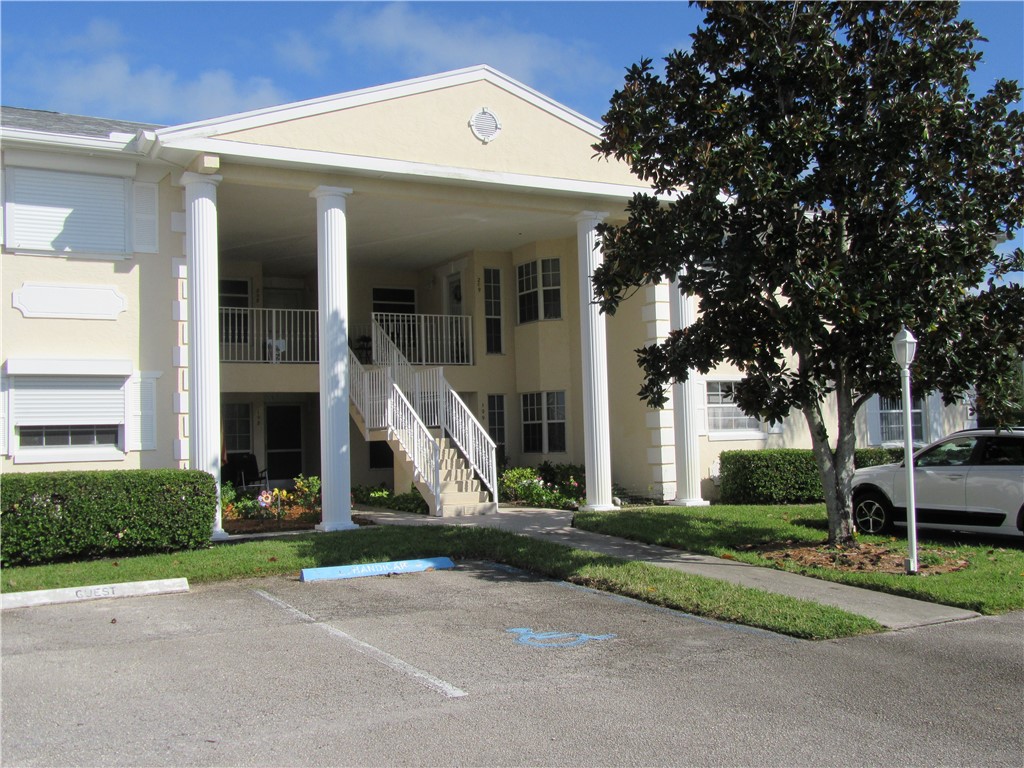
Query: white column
596, 438
685, 410
201, 255
332, 279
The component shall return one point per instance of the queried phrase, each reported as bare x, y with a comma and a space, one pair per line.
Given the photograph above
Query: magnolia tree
822, 175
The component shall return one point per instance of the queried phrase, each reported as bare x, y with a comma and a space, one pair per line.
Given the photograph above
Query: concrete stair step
468, 510
459, 486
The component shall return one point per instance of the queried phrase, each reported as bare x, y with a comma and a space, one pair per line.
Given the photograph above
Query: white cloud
98, 36
109, 86
422, 44
297, 53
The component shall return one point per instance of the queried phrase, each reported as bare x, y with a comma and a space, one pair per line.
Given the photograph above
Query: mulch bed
292, 519
868, 558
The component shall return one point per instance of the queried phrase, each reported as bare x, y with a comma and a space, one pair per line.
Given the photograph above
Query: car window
951, 453
1003, 451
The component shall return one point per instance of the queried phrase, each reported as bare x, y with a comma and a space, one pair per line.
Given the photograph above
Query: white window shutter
67, 400
701, 396
934, 423
4, 421
145, 206
66, 212
141, 425
874, 422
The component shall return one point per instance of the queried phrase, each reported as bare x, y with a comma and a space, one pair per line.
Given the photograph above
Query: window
381, 455
544, 422
234, 311
65, 435
723, 413
237, 418
496, 418
62, 411
890, 415
492, 311
540, 287
76, 213
952, 453
399, 301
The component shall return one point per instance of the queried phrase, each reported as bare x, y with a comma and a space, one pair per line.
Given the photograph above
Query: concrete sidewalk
891, 611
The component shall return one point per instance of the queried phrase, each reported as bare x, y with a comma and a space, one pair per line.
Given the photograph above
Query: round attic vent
485, 125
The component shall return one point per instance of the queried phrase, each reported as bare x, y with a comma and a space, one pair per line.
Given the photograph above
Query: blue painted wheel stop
376, 569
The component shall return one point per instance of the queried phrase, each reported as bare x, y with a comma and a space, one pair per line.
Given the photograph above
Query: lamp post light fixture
904, 345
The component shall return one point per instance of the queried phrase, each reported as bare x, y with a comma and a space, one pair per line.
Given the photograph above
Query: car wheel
872, 512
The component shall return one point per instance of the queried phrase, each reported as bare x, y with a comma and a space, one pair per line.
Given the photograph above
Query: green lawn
992, 583
288, 555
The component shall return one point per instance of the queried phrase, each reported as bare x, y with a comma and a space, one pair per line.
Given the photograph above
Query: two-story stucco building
331, 285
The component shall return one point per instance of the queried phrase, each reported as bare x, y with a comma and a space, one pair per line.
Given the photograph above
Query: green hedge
52, 516
782, 475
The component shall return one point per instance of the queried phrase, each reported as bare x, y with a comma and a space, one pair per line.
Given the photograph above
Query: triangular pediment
475, 119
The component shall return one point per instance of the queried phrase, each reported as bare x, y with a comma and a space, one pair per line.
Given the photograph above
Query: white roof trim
298, 110
23, 366
377, 167
21, 136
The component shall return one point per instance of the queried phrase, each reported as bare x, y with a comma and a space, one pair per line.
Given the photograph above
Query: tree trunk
836, 467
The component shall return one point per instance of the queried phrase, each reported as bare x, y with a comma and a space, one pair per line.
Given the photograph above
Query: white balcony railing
252, 335
430, 339
255, 335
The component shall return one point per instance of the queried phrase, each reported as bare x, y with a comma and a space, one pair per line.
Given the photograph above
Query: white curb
95, 592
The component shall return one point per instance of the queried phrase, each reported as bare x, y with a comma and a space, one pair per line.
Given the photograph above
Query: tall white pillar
201, 255
332, 279
685, 410
596, 436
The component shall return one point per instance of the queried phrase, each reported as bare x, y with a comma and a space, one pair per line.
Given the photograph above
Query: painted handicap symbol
527, 636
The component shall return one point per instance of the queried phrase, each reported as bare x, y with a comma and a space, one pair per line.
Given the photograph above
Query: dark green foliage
381, 496
826, 176
550, 486
53, 516
782, 475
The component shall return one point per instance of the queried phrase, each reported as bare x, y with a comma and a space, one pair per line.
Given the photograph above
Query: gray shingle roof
72, 125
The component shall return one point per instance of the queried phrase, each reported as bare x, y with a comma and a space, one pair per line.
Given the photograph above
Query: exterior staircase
435, 438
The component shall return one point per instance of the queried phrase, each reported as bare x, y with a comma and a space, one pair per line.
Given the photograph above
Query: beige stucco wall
144, 333
434, 128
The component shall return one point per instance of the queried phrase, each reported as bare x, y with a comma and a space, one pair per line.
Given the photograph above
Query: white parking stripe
423, 678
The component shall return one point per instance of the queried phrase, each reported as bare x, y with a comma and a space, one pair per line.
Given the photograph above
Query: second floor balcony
257, 335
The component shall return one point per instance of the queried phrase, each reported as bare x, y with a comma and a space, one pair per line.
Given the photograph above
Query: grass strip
697, 595
991, 584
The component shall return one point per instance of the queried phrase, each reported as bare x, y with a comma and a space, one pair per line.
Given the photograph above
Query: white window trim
731, 435
545, 423
538, 265
141, 206
137, 430
932, 409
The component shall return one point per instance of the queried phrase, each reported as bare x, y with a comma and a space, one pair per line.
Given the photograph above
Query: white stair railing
435, 404
388, 355
470, 436
417, 442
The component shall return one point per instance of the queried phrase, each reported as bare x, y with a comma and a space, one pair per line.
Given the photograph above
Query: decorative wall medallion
485, 125
74, 302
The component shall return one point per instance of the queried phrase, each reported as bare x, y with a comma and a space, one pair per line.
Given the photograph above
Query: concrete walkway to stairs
891, 611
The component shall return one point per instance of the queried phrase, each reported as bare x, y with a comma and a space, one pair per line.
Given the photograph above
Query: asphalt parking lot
485, 666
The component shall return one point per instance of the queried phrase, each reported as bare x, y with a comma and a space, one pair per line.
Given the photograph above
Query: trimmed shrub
782, 475
53, 516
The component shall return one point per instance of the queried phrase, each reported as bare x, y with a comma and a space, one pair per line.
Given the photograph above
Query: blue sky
174, 62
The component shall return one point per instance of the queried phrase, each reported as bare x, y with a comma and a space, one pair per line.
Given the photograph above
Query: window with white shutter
57, 418
75, 213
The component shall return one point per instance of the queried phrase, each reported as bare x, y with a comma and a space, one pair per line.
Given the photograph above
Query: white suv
969, 481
